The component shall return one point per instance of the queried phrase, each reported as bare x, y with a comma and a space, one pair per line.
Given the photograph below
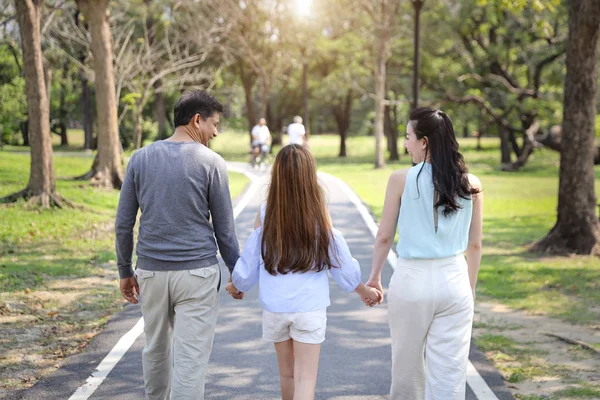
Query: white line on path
102, 370
477, 384
114, 356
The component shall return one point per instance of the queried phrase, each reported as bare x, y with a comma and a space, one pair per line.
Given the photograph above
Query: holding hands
233, 291
370, 295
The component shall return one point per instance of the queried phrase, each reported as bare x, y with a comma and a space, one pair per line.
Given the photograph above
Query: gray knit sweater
182, 190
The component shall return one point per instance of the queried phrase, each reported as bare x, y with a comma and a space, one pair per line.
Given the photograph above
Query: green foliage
13, 110
8, 66
149, 130
507, 53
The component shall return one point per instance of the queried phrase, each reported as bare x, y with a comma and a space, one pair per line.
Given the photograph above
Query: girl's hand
373, 297
369, 295
376, 284
233, 291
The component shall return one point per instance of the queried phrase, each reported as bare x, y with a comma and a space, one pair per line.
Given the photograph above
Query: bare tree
383, 17
147, 65
255, 35
106, 170
577, 228
41, 187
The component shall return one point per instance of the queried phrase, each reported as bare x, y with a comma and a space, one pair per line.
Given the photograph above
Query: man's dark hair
195, 102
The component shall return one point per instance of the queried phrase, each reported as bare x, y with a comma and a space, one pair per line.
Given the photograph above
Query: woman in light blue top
438, 209
289, 253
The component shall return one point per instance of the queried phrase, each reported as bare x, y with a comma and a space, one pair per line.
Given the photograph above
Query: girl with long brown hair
289, 253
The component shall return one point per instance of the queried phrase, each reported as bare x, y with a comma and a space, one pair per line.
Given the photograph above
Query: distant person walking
296, 132
182, 189
261, 142
438, 208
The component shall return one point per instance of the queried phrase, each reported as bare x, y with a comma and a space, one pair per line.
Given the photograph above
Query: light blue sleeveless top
418, 236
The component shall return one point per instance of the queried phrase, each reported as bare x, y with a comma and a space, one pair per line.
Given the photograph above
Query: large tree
504, 57
41, 188
382, 16
577, 229
106, 170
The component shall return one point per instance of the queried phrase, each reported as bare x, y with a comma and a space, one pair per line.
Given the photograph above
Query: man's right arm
221, 211
125, 221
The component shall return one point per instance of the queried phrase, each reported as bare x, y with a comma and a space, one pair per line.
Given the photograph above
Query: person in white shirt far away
289, 259
261, 138
296, 131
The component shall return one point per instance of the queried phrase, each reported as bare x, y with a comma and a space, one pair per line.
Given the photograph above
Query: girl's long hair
450, 174
297, 227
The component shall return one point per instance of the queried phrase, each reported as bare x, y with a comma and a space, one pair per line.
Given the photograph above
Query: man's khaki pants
180, 315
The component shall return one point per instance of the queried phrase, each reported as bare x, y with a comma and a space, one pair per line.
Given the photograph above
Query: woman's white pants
430, 309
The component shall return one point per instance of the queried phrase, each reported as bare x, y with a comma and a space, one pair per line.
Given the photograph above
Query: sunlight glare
303, 7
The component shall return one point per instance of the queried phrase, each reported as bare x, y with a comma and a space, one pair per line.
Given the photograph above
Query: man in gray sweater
182, 190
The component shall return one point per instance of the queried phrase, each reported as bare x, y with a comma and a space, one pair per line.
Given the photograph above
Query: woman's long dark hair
450, 174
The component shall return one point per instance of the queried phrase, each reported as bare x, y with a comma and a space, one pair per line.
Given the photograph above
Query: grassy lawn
57, 268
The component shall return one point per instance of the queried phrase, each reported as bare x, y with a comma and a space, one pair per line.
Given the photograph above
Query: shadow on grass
565, 287
511, 232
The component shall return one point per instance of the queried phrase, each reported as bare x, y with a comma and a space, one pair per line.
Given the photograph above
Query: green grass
519, 362
39, 244
584, 392
580, 392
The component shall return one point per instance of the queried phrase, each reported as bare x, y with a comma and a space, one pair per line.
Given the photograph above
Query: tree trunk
265, 88
417, 4
391, 128
41, 188
528, 146
88, 117
248, 83
159, 105
577, 229
343, 114
48, 75
24, 126
481, 128
86, 97
161, 115
380, 73
108, 172
515, 146
386, 126
306, 115
504, 145
62, 109
137, 132
343, 136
